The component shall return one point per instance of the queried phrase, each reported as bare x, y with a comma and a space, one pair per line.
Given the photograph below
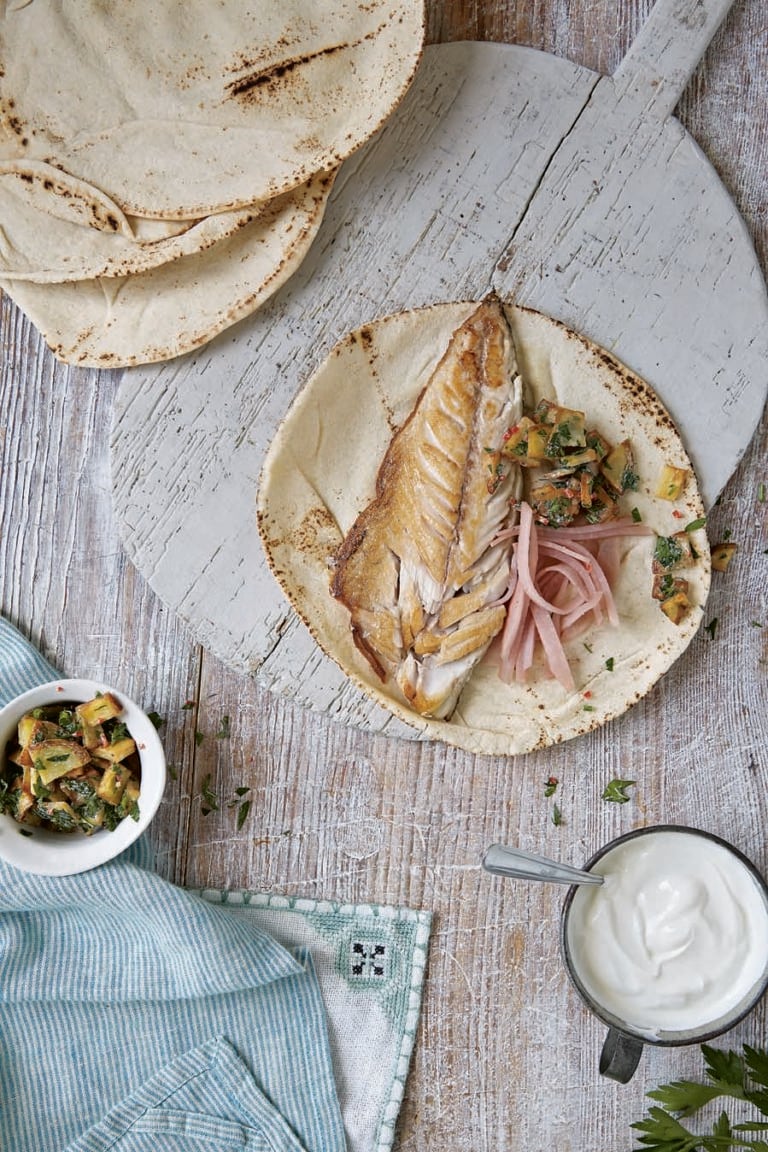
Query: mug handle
620, 1056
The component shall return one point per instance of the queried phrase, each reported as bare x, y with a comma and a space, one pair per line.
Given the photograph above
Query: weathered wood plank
506, 1058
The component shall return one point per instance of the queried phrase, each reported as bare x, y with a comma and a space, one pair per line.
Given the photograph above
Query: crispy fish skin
418, 570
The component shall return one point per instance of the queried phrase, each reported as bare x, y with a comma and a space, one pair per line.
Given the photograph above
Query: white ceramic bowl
51, 853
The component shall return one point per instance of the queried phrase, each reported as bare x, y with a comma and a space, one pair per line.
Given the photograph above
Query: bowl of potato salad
83, 773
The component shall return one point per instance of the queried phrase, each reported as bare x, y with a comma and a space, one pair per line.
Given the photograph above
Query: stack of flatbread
164, 167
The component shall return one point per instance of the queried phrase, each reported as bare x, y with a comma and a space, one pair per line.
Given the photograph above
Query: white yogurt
676, 939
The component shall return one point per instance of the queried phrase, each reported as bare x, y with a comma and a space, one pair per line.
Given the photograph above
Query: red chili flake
510, 433
587, 695
678, 515
142, 747
59, 688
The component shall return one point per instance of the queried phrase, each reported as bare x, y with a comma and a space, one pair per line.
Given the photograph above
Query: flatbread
177, 110
156, 315
321, 469
47, 239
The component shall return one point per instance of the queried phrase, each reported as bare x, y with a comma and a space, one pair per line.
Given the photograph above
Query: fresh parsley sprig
738, 1077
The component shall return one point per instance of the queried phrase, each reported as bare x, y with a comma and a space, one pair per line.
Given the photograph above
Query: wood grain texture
506, 1057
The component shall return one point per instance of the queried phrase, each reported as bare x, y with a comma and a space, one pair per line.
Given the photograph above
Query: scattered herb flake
557, 816
588, 708
242, 791
609, 663
156, 719
615, 791
696, 524
208, 796
187, 705
756, 623
24, 832
711, 628
223, 732
727, 534
242, 813
550, 786
173, 772
636, 515
199, 737
587, 646
761, 493
667, 552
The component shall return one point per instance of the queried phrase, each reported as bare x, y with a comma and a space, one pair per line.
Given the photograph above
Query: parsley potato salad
489, 523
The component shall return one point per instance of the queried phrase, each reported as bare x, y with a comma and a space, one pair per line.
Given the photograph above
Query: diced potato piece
60, 813
130, 799
598, 443
54, 758
722, 554
686, 548
586, 482
675, 606
91, 735
538, 438
583, 456
20, 757
100, 709
24, 803
674, 551
567, 432
113, 783
516, 436
526, 443
118, 751
618, 467
549, 413
26, 729
672, 481
665, 585
40, 730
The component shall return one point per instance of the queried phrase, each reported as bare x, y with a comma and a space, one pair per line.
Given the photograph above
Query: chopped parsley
550, 786
609, 663
711, 628
695, 524
210, 801
615, 791
668, 552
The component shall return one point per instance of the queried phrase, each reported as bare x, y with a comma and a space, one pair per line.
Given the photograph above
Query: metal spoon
520, 865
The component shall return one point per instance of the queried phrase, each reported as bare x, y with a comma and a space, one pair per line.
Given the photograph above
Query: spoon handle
520, 865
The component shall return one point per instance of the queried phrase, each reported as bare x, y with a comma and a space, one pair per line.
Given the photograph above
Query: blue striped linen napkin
136, 1016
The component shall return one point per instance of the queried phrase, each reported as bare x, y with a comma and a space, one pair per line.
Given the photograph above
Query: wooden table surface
506, 1056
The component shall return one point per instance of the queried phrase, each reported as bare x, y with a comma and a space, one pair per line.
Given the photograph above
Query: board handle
666, 51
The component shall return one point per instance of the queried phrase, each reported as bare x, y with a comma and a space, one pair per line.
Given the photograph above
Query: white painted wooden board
503, 167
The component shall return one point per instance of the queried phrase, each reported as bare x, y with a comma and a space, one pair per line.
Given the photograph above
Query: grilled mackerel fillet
418, 570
